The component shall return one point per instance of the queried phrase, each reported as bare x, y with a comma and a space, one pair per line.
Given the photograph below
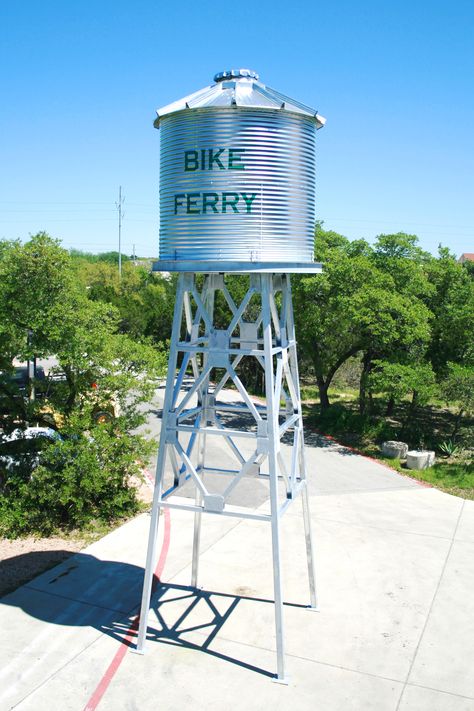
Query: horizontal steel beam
201, 509
213, 431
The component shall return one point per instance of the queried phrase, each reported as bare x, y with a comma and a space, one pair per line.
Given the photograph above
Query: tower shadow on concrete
86, 591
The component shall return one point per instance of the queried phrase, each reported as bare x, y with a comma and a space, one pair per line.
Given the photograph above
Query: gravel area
25, 558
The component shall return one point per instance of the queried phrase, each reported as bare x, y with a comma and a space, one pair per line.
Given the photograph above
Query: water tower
237, 197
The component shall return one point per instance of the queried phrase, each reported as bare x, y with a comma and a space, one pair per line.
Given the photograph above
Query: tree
400, 256
326, 332
145, 300
358, 306
35, 282
452, 303
391, 325
458, 389
87, 472
469, 268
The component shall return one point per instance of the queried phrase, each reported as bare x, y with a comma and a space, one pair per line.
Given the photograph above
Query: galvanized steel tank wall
237, 183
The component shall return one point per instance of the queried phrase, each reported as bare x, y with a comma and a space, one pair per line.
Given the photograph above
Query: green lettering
178, 202
191, 202
214, 158
248, 200
191, 160
209, 200
230, 199
235, 155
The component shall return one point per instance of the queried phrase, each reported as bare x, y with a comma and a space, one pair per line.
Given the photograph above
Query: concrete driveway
395, 630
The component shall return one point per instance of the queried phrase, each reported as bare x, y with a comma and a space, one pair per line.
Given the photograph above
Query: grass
427, 429
309, 394
455, 478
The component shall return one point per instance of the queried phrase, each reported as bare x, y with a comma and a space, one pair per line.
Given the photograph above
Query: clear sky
80, 82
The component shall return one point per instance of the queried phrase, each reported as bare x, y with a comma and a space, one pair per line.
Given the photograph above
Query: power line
50, 202
398, 219
154, 208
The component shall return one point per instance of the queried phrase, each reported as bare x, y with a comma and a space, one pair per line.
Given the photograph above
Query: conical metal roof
240, 88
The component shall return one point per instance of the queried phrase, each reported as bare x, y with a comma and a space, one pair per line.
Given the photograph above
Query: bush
83, 478
450, 448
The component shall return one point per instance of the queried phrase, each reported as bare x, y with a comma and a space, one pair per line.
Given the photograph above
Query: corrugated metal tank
237, 174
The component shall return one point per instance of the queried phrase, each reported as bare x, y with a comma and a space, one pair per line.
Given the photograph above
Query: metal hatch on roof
239, 88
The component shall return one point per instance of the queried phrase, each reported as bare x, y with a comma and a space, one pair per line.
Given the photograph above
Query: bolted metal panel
237, 175
264, 211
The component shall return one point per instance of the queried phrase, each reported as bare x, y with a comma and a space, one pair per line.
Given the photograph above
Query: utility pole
121, 215
134, 257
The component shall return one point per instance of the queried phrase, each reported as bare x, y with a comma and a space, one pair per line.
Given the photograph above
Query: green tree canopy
144, 300
35, 284
360, 305
87, 472
452, 303
45, 311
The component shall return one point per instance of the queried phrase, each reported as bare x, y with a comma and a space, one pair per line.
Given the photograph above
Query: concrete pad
312, 686
108, 574
70, 687
416, 698
445, 657
465, 530
334, 468
424, 511
250, 492
38, 645
172, 677
374, 591
49, 621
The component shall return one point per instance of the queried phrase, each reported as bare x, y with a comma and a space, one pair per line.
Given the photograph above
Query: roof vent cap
235, 74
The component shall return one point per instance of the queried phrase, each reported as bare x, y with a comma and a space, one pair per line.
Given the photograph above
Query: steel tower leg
208, 300
293, 364
198, 517
160, 468
273, 446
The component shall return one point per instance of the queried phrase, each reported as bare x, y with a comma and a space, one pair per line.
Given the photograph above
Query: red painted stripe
150, 477
103, 684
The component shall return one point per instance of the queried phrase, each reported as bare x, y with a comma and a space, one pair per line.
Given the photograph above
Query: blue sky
80, 82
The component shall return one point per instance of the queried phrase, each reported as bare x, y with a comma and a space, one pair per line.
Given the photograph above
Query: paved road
395, 631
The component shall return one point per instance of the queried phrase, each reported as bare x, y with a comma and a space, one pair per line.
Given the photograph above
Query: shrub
82, 478
450, 447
